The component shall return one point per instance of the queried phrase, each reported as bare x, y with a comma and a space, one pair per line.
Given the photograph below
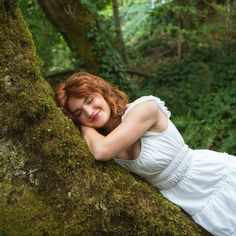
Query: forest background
181, 51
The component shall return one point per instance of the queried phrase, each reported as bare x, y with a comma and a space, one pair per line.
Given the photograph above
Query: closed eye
89, 99
78, 113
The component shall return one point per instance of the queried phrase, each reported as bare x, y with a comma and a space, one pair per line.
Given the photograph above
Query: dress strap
160, 103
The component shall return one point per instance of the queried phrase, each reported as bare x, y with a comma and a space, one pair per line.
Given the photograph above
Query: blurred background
183, 51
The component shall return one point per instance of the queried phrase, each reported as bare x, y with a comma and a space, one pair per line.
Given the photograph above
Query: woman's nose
89, 111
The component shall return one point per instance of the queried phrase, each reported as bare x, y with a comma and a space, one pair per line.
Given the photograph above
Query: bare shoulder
144, 110
149, 110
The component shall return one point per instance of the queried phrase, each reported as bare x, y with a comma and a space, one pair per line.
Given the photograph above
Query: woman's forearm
95, 142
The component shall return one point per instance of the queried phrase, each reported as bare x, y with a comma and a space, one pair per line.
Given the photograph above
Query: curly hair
83, 84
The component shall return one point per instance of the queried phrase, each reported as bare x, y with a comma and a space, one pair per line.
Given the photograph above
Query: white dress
201, 182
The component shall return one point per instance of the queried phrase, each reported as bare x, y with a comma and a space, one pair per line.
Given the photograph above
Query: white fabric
202, 182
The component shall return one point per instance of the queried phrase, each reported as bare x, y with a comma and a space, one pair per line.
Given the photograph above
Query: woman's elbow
101, 155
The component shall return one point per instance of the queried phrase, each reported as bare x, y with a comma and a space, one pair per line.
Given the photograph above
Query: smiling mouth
96, 116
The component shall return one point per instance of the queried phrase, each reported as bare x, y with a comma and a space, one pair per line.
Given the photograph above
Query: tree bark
88, 37
73, 21
50, 184
119, 38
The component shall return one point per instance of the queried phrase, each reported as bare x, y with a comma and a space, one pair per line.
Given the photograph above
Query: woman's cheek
81, 120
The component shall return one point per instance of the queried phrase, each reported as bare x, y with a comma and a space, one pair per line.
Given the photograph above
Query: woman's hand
86, 131
94, 141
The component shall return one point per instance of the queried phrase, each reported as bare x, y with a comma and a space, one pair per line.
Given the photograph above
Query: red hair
83, 84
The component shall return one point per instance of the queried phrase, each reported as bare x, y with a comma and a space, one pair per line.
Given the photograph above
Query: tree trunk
119, 38
74, 22
87, 36
50, 184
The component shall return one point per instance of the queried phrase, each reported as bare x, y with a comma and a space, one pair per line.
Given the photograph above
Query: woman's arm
138, 120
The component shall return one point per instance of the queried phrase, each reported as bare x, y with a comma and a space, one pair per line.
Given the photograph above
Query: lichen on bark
50, 184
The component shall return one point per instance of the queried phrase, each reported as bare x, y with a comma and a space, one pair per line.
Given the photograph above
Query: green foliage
50, 45
112, 68
198, 87
134, 18
166, 20
96, 5
178, 25
200, 92
211, 121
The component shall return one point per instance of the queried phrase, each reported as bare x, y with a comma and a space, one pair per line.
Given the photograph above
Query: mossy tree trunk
50, 184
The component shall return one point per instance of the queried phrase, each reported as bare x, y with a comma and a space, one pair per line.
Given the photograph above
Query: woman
140, 137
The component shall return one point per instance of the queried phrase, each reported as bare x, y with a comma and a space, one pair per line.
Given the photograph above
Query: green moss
25, 214
22, 212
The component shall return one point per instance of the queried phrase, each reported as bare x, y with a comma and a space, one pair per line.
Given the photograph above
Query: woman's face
92, 111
